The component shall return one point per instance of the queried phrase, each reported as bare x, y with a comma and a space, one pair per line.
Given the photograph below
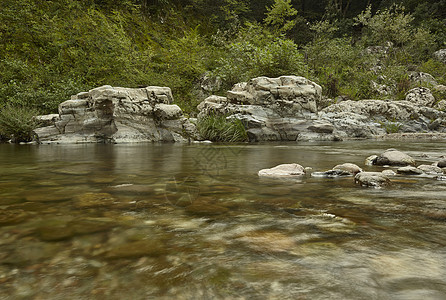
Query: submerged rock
133, 249
372, 179
430, 169
331, 173
394, 157
409, 170
284, 170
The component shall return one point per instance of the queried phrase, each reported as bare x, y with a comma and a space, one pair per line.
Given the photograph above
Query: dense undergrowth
50, 50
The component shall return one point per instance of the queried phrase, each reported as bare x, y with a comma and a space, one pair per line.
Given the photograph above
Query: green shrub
258, 53
18, 122
218, 128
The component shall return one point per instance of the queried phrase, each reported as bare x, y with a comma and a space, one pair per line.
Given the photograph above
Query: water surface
151, 221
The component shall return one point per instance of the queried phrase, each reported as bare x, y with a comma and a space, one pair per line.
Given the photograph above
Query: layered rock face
272, 109
118, 115
287, 109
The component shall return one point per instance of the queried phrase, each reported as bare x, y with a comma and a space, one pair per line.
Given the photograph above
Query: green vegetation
218, 128
17, 122
50, 50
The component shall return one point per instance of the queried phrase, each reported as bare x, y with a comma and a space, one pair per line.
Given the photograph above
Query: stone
205, 208
167, 112
388, 173
118, 115
133, 249
371, 160
420, 96
284, 170
430, 169
420, 78
394, 157
322, 128
331, 173
12, 216
409, 170
441, 163
440, 55
372, 179
348, 167
92, 200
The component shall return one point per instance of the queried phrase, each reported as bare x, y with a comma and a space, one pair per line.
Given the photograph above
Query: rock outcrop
289, 108
118, 115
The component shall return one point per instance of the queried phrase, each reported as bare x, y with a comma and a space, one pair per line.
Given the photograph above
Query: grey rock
322, 127
119, 115
420, 96
394, 157
430, 169
409, 170
372, 179
371, 160
388, 173
284, 170
420, 77
441, 163
331, 174
349, 168
440, 55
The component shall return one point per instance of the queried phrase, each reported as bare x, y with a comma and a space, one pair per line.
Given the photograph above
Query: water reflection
195, 221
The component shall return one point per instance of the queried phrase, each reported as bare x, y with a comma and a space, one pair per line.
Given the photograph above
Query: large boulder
420, 96
394, 157
284, 170
287, 95
117, 115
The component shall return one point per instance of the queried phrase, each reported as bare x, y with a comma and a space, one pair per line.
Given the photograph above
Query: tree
280, 16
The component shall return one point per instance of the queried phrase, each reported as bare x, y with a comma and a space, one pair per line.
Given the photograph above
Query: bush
257, 53
18, 122
220, 129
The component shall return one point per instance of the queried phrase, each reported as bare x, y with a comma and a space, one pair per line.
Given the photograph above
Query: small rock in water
441, 163
12, 216
89, 200
388, 173
285, 170
348, 167
372, 179
430, 169
409, 170
371, 160
331, 174
147, 247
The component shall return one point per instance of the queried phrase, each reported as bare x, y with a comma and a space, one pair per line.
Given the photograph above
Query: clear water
153, 221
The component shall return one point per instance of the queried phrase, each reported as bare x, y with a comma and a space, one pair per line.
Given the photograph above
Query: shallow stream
152, 221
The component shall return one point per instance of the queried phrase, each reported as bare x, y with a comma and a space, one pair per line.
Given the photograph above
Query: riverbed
168, 221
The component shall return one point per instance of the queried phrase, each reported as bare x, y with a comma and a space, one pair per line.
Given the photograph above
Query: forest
50, 50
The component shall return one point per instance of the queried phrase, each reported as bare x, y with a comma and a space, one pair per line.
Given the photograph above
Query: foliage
391, 127
258, 53
388, 25
278, 16
17, 122
219, 128
50, 50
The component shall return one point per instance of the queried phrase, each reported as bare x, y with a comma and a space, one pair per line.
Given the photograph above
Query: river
166, 221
